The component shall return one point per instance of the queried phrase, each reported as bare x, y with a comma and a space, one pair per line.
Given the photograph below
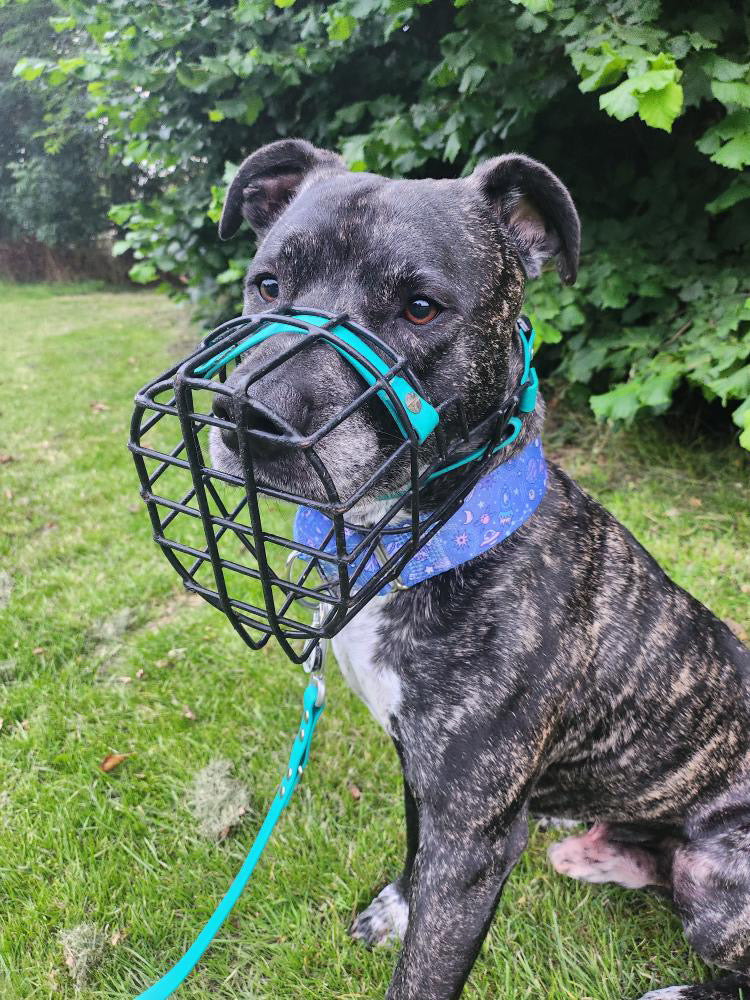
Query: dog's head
437, 268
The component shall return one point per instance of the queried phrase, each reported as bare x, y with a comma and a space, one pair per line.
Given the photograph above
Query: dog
561, 672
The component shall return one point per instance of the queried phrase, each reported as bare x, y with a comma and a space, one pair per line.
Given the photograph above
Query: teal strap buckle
527, 401
298, 758
422, 416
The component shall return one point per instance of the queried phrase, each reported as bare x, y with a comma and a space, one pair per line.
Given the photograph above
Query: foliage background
643, 107
57, 178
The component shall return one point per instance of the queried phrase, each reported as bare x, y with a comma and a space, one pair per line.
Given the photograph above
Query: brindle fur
562, 672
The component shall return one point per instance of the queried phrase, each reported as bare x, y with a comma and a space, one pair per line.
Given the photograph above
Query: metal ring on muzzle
237, 549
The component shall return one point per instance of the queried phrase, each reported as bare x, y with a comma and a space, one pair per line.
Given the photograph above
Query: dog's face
436, 268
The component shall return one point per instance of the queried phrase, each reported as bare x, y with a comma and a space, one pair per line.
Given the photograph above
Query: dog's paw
671, 993
384, 919
734, 987
592, 857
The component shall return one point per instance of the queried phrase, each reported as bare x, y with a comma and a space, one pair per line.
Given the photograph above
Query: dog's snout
275, 425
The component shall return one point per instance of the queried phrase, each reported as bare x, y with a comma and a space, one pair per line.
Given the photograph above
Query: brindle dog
562, 672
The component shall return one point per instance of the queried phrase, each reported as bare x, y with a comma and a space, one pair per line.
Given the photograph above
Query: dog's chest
357, 651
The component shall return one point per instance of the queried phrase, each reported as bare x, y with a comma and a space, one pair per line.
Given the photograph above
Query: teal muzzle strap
421, 415
298, 758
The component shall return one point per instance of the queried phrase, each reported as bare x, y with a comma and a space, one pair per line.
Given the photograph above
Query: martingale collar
499, 504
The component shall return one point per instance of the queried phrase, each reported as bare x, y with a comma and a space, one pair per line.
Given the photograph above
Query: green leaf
215, 115
620, 403
659, 108
656, 391
472, 77
119, 247
735, 154
734, 129
199, 79
143, 272
284, 3
120, 214
353, 152
741, 417
609, 68
253, 108
30, 69
342, 27
620, 103
70, 65
719, 68
737, 191
62, 23
545, 332
452, 147
731, 93
536, 6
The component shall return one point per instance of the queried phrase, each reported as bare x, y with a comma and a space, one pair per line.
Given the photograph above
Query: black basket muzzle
232, 539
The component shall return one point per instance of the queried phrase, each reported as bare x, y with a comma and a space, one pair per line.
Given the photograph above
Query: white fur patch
356, 648
384, 920
556, 823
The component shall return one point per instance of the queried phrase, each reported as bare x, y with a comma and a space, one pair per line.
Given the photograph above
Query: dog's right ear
268, 180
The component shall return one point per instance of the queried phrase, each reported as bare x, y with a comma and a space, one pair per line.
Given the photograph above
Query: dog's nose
259, 417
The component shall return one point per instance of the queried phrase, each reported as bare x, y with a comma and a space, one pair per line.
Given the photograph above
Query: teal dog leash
313, 703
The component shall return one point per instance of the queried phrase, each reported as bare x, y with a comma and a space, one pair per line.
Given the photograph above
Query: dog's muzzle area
278, 413
260, 419
281, 410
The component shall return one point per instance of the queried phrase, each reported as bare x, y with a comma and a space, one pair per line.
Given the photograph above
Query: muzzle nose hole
260, 418
222, 409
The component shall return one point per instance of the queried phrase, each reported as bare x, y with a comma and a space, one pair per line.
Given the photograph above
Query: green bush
642, 107
57, 181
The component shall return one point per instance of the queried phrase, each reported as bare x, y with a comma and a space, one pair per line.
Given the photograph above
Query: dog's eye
420, 310
268, 287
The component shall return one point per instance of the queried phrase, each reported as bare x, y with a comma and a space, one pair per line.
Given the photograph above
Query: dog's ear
537, 210
268, 180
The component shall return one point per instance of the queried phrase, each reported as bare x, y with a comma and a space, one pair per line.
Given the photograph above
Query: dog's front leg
458, 875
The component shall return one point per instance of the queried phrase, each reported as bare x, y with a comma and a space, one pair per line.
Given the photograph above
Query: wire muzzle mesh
230, 537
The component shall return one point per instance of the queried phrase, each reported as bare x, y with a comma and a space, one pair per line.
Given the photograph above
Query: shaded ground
101, 654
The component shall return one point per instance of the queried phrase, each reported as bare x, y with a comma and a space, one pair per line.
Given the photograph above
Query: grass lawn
101, 653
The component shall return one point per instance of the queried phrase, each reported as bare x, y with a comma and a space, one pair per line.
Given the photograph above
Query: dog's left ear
536, 208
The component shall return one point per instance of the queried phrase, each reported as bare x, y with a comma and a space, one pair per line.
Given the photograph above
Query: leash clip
315, 661
314, 665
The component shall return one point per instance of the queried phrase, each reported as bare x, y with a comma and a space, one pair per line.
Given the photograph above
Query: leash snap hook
320, 684
315, 661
